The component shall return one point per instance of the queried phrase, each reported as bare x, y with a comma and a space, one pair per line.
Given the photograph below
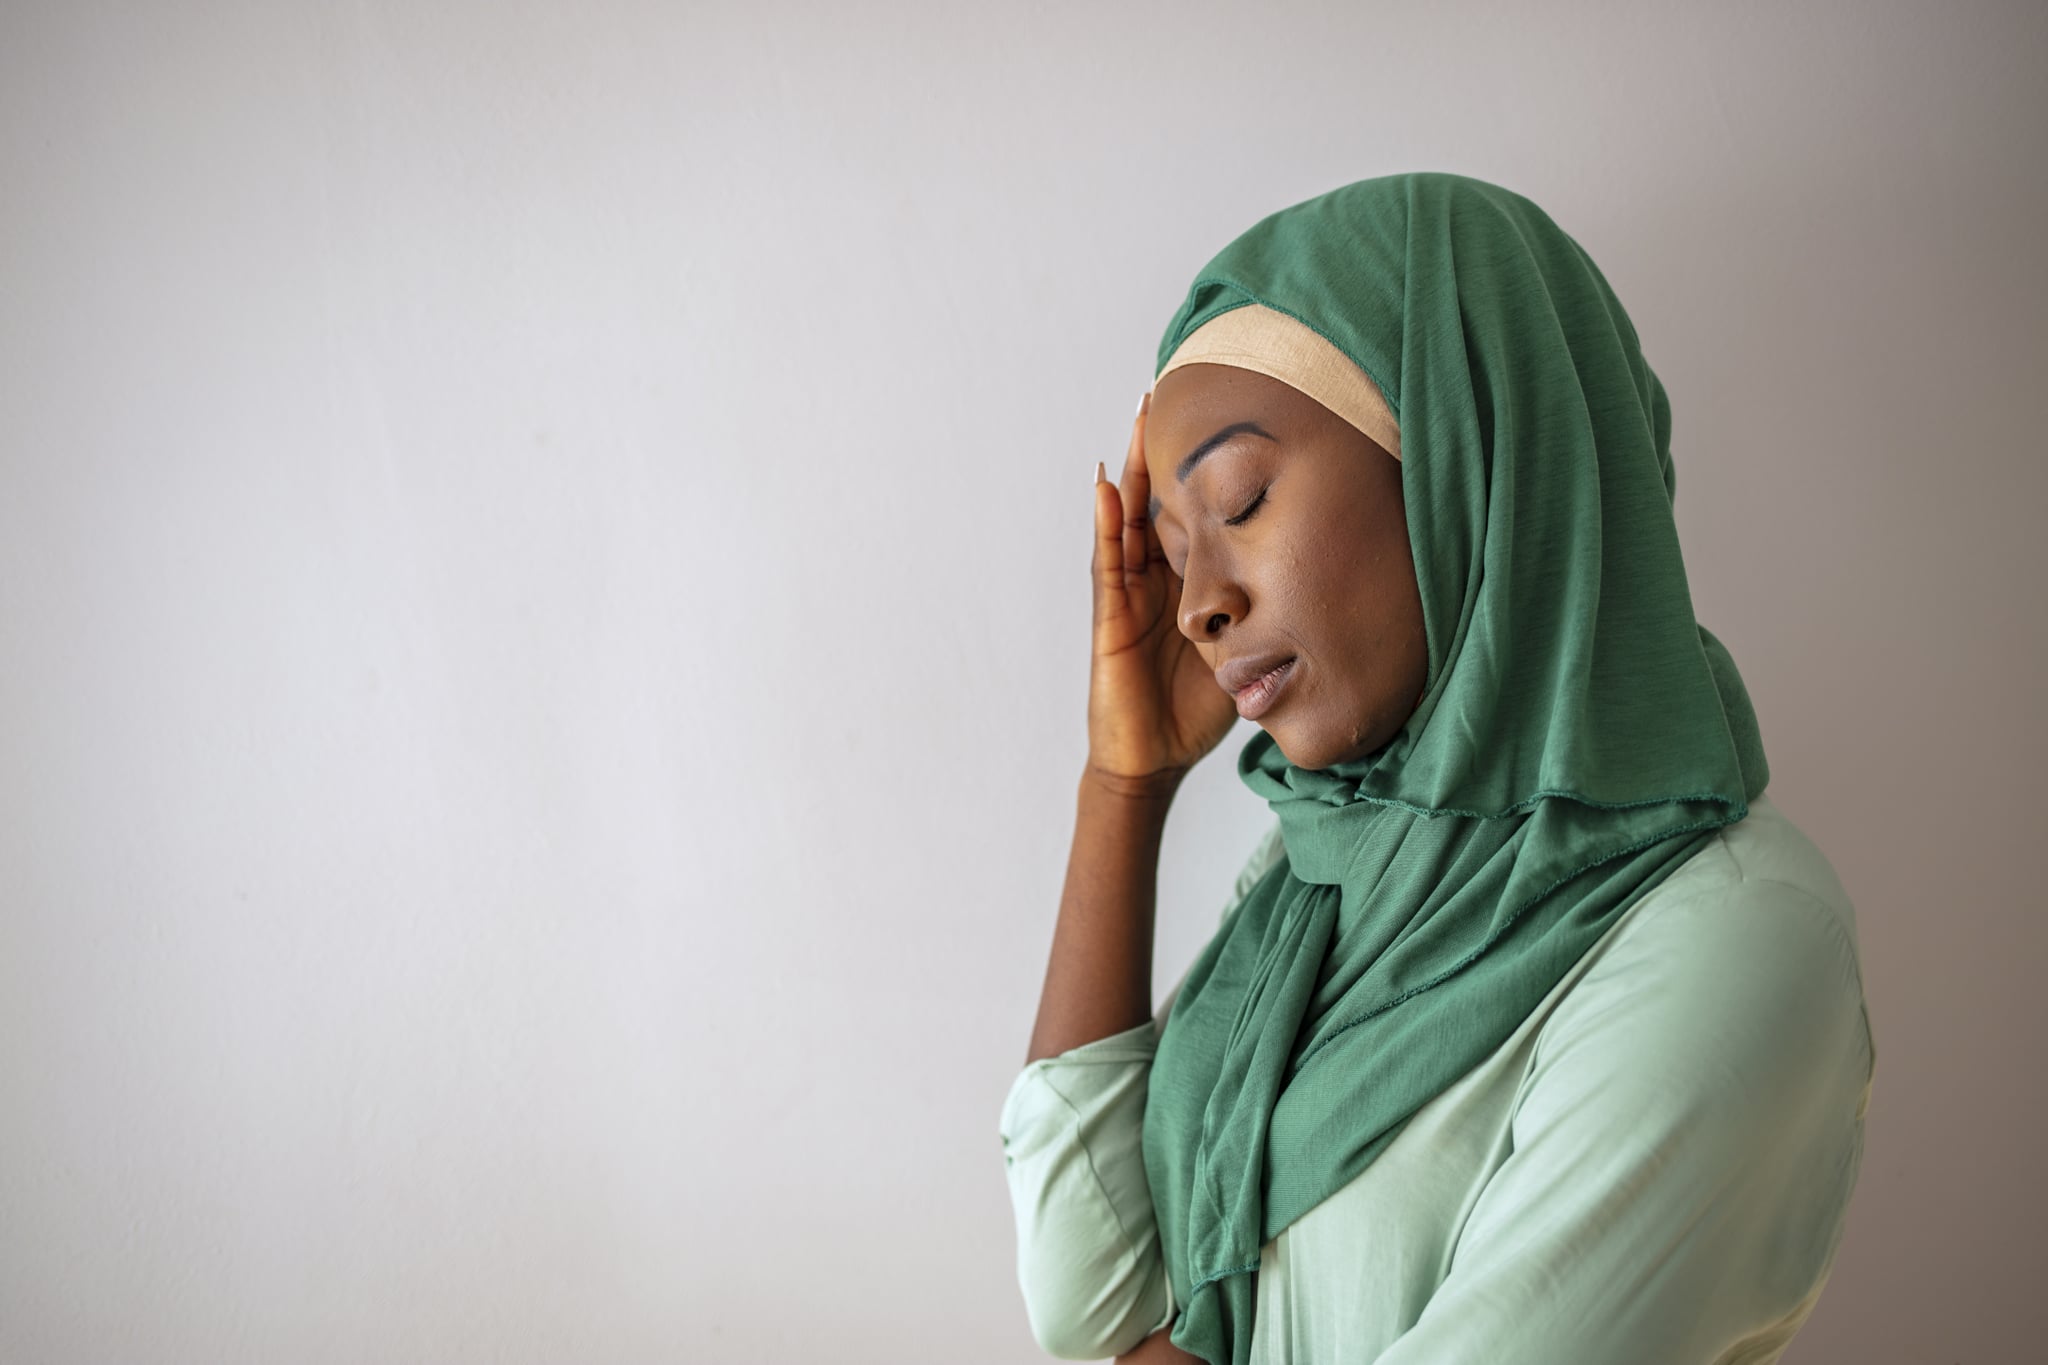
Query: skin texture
1323, 570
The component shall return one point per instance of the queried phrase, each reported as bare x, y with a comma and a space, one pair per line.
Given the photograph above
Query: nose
1210, 598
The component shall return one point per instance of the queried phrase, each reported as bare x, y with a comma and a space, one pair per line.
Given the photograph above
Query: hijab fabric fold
1580, 735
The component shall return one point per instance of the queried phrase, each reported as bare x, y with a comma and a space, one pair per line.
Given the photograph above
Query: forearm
1099, 978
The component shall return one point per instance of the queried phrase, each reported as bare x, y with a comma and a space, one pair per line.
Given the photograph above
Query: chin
1316, 752
1310, 755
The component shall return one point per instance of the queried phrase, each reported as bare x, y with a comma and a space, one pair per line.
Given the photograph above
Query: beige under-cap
1255, 337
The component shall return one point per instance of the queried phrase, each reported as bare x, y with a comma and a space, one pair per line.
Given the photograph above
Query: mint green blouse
1655, 1167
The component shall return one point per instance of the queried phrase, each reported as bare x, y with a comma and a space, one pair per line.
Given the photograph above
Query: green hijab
1581, 735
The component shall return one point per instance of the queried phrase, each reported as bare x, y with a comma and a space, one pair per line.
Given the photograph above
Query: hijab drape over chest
1580, 736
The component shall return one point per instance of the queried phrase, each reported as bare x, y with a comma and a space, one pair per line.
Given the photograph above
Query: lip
1256, 698
1238, 674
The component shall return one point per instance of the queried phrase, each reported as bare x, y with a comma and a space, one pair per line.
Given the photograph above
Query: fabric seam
1095, 1174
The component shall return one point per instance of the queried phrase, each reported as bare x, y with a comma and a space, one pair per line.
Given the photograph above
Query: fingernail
1098, 471
1143, 399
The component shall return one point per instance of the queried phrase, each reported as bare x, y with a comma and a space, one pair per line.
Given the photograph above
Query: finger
1137, 493
1109, 545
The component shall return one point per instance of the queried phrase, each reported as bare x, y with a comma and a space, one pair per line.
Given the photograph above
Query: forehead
1191, 401
1203, 387
1196, 404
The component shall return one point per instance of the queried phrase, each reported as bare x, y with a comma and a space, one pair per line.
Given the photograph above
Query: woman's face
1318, 567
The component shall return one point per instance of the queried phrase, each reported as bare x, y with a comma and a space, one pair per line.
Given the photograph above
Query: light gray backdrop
544, 619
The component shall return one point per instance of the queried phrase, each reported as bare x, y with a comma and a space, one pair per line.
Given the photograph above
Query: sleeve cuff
1083, 1073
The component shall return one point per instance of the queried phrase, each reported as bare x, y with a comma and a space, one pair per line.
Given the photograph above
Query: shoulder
1689, 1122
1730, 997
1766, 846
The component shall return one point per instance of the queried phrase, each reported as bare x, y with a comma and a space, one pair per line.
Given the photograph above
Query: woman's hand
1158, 1349
1154, 706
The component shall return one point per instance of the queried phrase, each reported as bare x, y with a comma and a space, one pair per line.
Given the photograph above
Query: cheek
1303, 595
1339, 601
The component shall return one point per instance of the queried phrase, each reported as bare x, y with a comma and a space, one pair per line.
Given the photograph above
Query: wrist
1154, 788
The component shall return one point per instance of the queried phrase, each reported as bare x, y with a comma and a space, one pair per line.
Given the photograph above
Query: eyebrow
1201, 452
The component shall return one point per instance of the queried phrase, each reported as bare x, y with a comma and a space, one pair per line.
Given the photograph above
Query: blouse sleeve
1688, 1134
1088, 1256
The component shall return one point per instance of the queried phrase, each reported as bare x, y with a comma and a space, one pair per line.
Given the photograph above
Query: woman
1533, 1030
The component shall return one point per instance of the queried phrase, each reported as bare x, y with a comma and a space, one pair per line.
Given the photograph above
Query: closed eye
1242, 517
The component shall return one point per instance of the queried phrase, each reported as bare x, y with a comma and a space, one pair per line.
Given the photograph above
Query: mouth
1257, 697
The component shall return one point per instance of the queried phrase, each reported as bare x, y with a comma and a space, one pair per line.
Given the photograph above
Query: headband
1265, 340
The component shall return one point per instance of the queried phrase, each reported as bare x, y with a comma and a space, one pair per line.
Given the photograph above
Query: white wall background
543, 617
